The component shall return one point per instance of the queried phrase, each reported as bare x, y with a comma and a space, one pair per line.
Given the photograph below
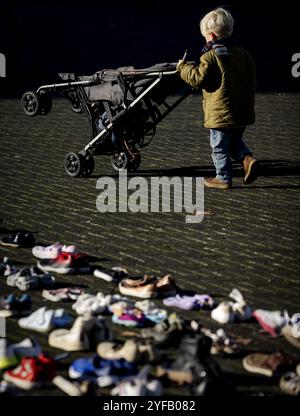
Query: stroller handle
185, 55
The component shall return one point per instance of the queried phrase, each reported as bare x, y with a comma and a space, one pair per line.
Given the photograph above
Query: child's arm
195, 75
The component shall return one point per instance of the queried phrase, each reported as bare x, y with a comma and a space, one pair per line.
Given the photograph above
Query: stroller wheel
76, 165
75, 102
119, 161
73, 164
31, 103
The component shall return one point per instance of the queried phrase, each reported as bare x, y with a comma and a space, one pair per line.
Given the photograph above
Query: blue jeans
227, 144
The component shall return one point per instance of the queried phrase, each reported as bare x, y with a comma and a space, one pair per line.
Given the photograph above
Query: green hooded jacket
228, 84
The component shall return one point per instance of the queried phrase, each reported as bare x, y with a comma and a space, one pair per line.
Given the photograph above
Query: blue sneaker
103, 372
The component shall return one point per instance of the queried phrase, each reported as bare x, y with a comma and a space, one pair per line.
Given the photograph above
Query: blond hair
218, 21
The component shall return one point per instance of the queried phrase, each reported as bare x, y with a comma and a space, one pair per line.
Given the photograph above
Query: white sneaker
52, 251
44, 320
223, 313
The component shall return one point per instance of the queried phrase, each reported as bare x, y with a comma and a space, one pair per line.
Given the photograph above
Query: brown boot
217, 183
251, 168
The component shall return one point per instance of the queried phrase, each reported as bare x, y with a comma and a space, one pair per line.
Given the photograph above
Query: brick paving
250, 240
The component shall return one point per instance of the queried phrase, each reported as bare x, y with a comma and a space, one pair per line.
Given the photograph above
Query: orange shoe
251, 168
217, 183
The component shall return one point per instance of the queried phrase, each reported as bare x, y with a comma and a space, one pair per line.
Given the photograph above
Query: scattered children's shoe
186, 302
52, 251
271, 321
13, 305
86, 333
6, 267
32, 372
30, 278
63, 294
115, 274
44, 320
18, 238
223, 313
65, 263
243, 312
102, 372
29, 347
267, 364
291, 331
151, 311
73, 388
290, 384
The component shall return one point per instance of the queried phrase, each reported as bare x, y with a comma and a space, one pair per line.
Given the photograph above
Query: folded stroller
123, 107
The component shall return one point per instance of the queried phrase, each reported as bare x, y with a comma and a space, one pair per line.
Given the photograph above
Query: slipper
18, 238
63, 294
267, 364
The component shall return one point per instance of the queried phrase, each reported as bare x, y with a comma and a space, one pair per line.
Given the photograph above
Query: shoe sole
10, 244
63, 270
256, 370
66, 386
23, 384
252, 173
225, 186
137, 294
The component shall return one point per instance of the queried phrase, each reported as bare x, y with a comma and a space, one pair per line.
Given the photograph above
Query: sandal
267, 364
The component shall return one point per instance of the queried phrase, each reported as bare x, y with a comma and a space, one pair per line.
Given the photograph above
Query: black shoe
19, 238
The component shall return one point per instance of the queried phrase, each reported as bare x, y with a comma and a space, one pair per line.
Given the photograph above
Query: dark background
41, 39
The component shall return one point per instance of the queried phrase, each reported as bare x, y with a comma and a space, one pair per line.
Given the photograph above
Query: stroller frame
125, 153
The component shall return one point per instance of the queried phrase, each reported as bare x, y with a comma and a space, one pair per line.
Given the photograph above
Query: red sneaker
65, 263
32, 372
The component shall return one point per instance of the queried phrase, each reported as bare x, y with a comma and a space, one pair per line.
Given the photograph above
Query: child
226, 74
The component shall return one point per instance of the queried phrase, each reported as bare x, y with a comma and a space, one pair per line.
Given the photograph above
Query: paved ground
250, 240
